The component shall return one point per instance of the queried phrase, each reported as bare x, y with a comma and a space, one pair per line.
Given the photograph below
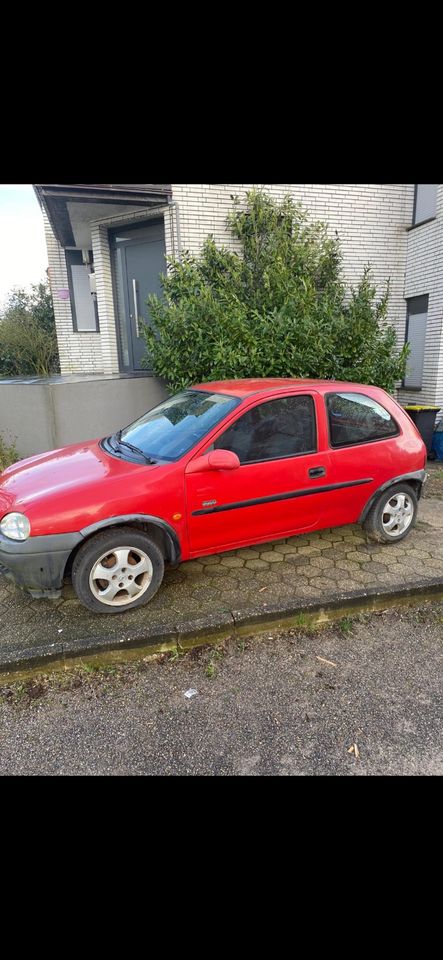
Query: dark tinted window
355, 418
416, 337
172, 428
271, 431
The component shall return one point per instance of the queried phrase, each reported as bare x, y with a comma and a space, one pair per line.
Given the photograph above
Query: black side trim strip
281, 496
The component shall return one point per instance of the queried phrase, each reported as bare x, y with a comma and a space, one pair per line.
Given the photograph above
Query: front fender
173, 543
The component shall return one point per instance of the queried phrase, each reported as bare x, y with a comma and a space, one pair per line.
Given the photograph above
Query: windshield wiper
130, 446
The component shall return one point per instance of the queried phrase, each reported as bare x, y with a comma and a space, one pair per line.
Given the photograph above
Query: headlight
15, 526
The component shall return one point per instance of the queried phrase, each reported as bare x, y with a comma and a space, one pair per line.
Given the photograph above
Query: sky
23, 257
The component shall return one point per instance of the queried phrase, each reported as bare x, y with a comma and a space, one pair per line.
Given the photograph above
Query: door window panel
273, 431
355, 418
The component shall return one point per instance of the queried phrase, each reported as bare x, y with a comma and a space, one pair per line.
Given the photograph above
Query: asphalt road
264, 707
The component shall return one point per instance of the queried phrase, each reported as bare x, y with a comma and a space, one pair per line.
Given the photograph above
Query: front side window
425, 206
355, 418
174, 427
273, 431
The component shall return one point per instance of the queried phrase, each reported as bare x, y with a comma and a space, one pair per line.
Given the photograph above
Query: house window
83, 302
425, 203
416, 337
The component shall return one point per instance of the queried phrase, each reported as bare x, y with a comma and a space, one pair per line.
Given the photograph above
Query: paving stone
306, 592
350, 586
304, 570
337, 551
232, 562
333, 573
322, 583
293, 560
247, 554
289, 570
301, 541
355, 557
272, 557
374, 568
347, 566
211, 561
310, 551
256, 565
245, 573
215, 571
191, 568
287, 548
323, 562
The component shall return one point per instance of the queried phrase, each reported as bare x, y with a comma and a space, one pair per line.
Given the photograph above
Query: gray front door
139, 259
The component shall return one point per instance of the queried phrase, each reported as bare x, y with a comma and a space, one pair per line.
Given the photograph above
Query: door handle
317, 472
136, 310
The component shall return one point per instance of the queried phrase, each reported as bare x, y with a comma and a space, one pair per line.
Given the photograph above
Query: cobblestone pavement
313, 567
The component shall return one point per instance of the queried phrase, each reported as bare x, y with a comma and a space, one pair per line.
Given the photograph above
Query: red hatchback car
219, 466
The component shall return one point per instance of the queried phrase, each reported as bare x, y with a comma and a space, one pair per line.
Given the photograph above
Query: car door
273, 492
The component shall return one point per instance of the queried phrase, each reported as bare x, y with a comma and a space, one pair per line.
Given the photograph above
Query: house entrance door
139, 259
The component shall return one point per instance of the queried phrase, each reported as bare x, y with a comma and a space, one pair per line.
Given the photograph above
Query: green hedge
277, 307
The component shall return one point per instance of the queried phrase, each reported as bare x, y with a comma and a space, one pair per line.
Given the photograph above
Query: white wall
424, 275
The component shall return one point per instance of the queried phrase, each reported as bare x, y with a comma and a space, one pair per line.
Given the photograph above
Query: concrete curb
188, 633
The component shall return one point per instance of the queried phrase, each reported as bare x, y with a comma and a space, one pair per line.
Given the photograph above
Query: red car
217, 467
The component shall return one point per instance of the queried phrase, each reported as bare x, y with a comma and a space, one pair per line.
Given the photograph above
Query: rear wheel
117, 570
393, 515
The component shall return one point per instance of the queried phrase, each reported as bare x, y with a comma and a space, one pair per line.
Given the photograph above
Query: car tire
131, 567
398, 503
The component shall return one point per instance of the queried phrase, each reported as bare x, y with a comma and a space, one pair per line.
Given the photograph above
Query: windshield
173, 428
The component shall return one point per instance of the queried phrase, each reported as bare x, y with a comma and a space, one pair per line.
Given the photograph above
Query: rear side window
273, 431
355, 418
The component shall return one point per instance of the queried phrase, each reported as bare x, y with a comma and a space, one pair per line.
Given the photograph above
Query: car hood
72, 486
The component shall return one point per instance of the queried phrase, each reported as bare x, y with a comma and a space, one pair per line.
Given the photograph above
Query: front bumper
38, 564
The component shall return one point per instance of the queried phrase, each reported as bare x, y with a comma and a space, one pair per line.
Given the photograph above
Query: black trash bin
424, 419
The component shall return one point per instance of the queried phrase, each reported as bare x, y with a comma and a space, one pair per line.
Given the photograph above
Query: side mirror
216, 460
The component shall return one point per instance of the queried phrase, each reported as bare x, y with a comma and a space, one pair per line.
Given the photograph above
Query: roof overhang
92, 201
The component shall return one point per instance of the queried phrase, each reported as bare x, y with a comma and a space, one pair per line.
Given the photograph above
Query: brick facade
372, 221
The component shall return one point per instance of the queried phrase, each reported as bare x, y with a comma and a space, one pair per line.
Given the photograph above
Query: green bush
8, 454
28, 341
277, 307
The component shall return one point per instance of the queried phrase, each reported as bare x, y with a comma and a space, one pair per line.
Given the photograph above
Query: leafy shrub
8, 454
275, 307
28, 341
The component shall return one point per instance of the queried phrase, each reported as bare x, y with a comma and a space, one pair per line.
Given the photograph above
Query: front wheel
117, 570
393, 515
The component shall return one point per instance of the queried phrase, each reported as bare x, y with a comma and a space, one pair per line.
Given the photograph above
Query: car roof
247, 388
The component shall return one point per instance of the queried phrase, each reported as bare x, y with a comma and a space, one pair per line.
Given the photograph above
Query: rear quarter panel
378, 462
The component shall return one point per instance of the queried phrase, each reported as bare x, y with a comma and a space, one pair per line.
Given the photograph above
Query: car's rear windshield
174, 427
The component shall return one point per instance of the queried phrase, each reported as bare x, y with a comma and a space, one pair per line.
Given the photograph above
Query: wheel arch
415, 480
163, 535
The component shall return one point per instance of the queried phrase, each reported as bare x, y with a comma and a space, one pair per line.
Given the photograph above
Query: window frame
419, 223
356, 443
424, 296
71, 262
293, 456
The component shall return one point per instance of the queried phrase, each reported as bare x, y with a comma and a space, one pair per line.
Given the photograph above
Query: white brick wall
79, 352
370, 218
425, 276
105, 300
